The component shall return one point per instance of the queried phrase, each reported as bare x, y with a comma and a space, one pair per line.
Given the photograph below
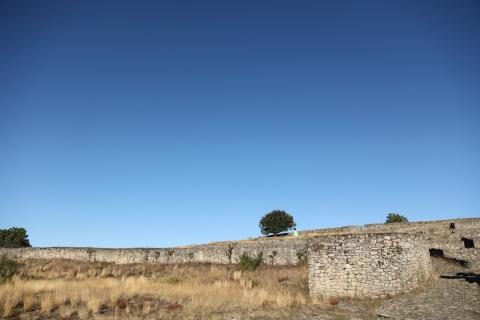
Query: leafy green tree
275, 222
14, 238
395, 217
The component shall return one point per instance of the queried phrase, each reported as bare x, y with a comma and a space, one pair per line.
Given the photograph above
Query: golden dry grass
65, 288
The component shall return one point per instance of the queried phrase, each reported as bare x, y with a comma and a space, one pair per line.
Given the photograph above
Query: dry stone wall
275, 252
427, 227
367, 265
461, 246
448, 236
356, 261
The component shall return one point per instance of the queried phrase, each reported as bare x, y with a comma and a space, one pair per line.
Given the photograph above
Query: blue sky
162, 123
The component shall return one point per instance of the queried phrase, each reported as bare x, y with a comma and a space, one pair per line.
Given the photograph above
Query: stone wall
452, 246
360, 261
445, 235
429, 227
367, 265
281, 251
276, 252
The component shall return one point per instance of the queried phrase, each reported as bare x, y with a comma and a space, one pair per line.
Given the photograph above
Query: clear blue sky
162, 123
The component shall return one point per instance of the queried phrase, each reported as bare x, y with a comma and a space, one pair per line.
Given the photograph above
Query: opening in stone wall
468, 243
452, 225
438, 253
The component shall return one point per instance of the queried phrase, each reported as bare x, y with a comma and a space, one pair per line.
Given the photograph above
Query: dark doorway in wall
468, 243
452, 225
438, 253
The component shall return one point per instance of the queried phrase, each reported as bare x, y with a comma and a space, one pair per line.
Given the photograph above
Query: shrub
7, 269
395, 217
14, 238
302, 257
275, 222
272, 256
248, 263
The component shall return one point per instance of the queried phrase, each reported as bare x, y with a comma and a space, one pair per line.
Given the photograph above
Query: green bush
302, 257
275, 222
248, 263
7, 269
14, 238
395, 217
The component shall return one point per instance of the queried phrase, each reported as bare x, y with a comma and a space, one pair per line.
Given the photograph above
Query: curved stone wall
367, 265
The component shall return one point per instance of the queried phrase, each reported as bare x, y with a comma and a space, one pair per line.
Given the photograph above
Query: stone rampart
367, 265
457, 239
275, 252
356, 261
407, 227
459, 245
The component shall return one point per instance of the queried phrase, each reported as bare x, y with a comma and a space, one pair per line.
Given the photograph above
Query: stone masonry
355, 261
367, 265
275, 252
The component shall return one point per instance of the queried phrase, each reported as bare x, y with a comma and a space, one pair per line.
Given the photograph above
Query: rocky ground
454, 295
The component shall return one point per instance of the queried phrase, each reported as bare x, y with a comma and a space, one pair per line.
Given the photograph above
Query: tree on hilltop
395, 217
275, 222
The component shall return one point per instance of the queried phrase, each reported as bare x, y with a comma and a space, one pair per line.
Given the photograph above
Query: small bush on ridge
395, 217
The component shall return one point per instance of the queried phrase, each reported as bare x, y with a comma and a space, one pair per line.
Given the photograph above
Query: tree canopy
395, 217
14, 238
275, 222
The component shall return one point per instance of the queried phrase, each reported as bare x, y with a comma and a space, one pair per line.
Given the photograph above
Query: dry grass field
64, 289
